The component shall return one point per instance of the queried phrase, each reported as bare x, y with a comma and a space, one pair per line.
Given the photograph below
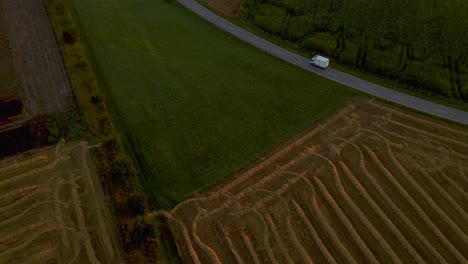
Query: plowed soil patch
52, 209
8, 85
9, 109
371, 184
30, 45
226, 7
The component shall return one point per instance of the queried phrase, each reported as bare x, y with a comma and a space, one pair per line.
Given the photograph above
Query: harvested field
10, 104
43, 82
371, 184
52, 209
7, 72
226, 7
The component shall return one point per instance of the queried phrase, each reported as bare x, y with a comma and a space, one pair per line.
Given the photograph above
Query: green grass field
420, 43
196, 103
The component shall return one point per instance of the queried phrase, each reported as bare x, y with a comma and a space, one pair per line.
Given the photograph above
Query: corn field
423, 43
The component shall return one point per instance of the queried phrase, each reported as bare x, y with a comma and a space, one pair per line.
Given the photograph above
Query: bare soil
43, 83
52, 209
18, 140
9, 110
8, 85
225, 7
372, 183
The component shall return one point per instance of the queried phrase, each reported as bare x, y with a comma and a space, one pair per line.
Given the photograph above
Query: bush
136, 204
68, 37
120, 170
141, 232
96, 99
39, 129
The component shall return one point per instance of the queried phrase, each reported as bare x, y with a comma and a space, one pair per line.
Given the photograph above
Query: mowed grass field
196, 103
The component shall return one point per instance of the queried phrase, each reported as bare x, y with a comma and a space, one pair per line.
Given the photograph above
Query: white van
320, 61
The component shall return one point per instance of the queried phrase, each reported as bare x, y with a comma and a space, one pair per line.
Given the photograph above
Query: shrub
96, 99
141, 232
120, 170
68, 37
136, 204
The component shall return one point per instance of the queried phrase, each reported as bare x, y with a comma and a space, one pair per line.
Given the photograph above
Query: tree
136, 204
120, 170
141, 232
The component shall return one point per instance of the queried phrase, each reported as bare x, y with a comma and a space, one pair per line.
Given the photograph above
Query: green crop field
423, 43
196, 104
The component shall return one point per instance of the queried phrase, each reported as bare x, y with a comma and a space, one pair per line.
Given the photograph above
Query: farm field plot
226, 7
10, 104
370, 184
52, 209
196, 103
7, 72
42, 80
421, 43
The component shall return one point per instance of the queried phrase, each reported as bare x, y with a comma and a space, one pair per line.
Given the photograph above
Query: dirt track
370, 184
52, 210
43, 80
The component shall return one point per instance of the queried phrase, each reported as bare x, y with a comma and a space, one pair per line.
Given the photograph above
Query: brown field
370, 184
7, 71
226, 7
32, 70
52, 209
10, 104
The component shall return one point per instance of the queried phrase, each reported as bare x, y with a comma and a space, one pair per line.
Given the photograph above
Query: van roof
321, 58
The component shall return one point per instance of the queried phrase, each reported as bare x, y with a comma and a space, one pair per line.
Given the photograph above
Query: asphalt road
330, 73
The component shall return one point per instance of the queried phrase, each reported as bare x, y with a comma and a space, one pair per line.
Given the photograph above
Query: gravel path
330, 73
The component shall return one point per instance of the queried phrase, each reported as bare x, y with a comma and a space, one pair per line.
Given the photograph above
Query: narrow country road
332, 74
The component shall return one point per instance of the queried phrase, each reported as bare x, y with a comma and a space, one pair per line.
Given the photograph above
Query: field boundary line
188, 242
347, 223
362, 217
454, 185
315, 236
416, 207
388, 222
208, 250
249, 246
396, 209
429, 134
81, 221
421, 120
295, 240
232, 248
427, 197
331, 233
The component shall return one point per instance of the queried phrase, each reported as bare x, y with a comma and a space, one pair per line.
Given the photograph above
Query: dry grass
51, 209
371, 184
